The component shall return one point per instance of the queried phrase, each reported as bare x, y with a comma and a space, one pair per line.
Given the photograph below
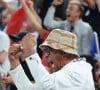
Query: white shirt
4, 46
5, 67
73, 76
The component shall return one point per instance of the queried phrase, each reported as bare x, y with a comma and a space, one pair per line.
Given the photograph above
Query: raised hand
57, 2
28, 43
30, 3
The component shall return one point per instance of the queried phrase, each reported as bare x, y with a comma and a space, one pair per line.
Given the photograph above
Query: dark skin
58, 58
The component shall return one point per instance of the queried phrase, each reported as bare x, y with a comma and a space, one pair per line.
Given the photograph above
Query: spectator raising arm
49, 21
33, 17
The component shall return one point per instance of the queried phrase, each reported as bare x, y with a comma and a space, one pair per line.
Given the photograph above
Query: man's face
72, 12
54, 58
6, 16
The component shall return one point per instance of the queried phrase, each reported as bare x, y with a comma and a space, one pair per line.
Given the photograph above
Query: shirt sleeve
49, 21
20, 79
44, 81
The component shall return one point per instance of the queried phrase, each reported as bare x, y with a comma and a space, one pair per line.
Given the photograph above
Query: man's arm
35, 19
49, 21
42, 78
32, 16
20, 79
32, 8
41, 75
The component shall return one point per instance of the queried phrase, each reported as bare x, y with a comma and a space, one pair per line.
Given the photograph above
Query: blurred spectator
7, 12
4, 46
60, 10
6, 16
92, 14
4, 62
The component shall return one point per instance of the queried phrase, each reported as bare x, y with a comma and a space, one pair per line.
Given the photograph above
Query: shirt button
30, 58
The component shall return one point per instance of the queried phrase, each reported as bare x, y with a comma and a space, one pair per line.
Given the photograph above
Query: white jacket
74, 76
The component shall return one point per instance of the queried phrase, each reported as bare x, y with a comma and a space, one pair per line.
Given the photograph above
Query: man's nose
46, 55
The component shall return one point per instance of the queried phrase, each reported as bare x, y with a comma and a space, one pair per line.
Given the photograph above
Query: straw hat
61, 40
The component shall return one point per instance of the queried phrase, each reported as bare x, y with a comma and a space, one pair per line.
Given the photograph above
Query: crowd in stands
30, 23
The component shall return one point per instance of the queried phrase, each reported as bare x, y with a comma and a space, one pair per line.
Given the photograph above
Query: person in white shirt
71, 72
4, 61
4, 46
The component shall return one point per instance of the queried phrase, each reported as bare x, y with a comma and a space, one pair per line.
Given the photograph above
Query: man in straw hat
71, 72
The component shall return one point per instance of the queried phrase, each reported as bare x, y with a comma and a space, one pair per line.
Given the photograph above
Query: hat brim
45, 44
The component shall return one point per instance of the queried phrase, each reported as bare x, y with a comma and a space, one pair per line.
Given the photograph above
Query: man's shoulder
78, 64
85, 24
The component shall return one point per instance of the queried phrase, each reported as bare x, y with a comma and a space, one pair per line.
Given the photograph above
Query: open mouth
51, 62
52, 65
68, 15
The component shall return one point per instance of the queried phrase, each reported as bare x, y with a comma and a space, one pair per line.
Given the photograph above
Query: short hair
79, 4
